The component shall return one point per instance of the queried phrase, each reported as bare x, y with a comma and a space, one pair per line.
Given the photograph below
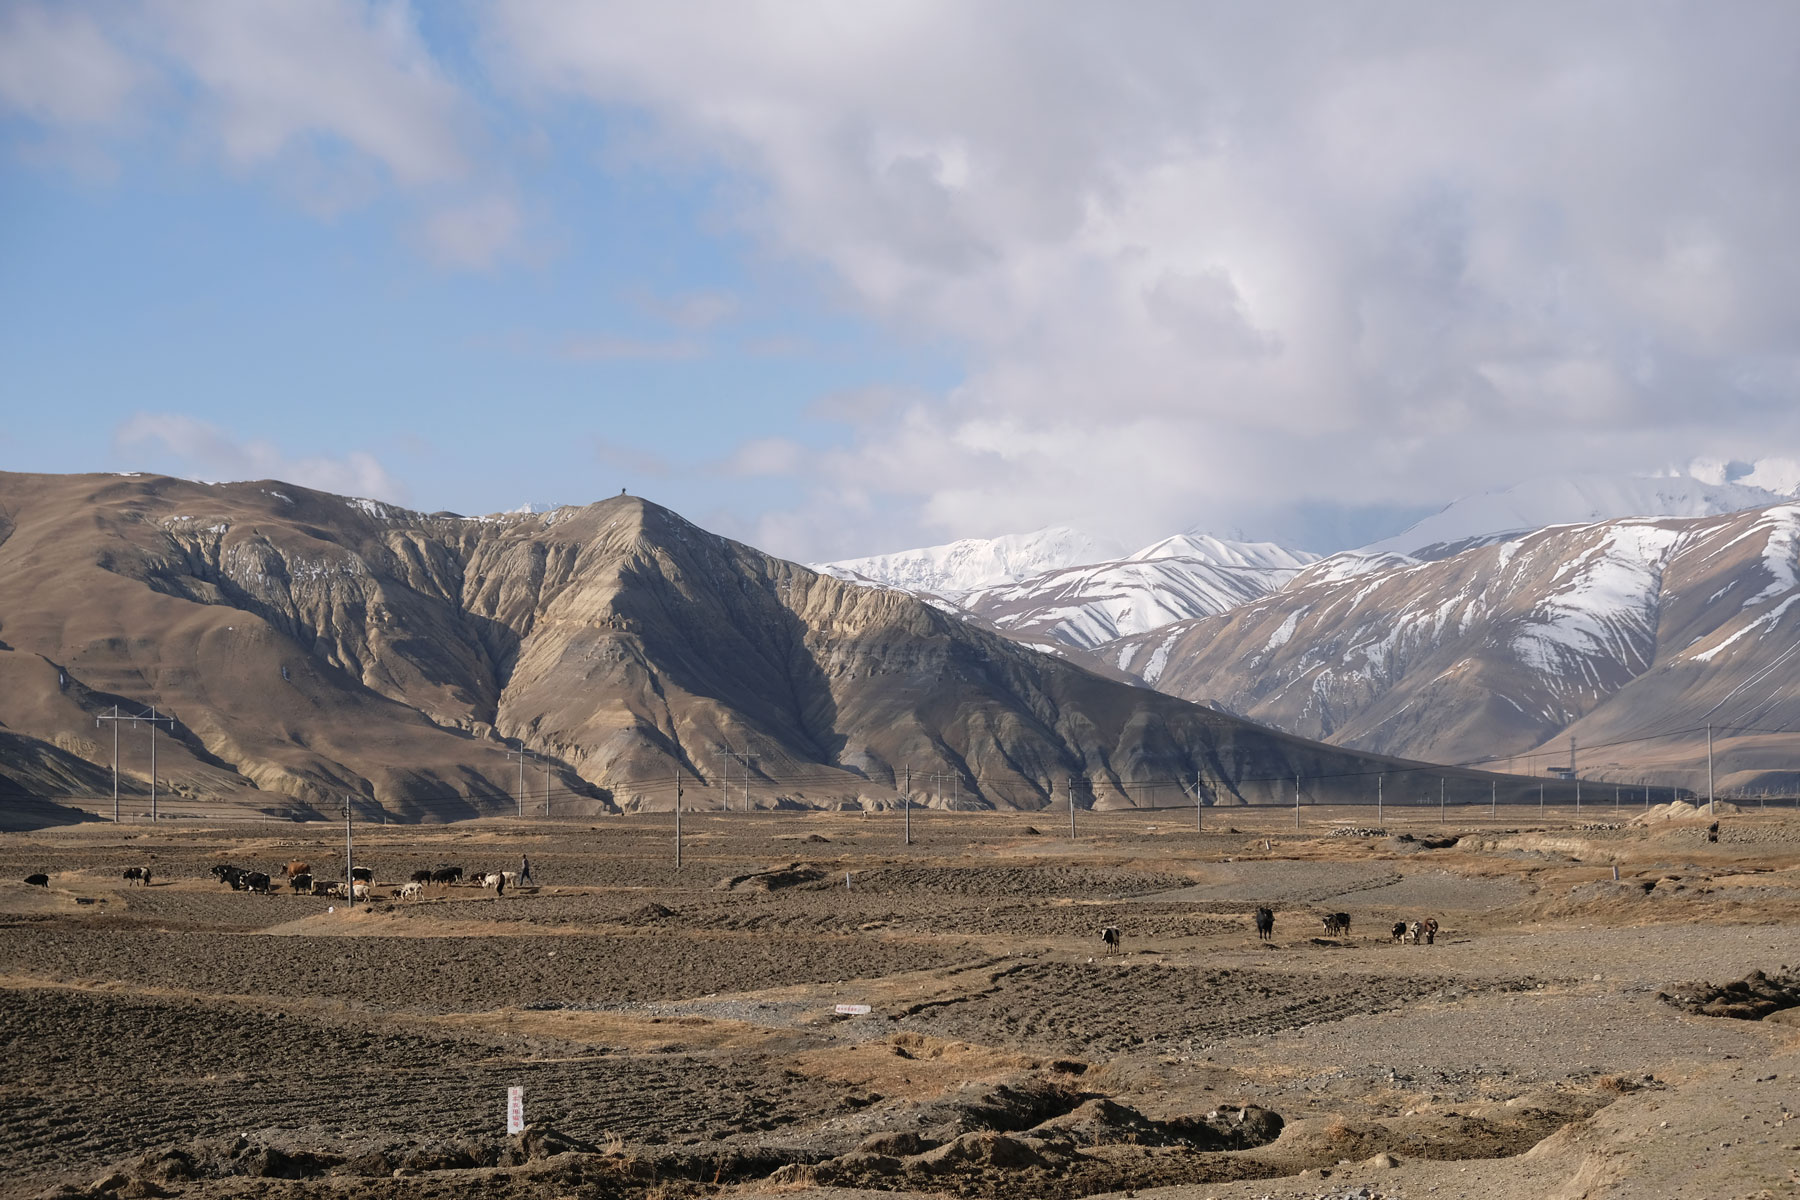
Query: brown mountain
1631, 636
310, 648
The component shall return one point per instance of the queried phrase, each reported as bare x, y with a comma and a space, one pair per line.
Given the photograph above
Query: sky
839, 279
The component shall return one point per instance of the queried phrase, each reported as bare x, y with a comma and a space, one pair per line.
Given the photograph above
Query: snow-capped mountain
1630, 633
954, 570
1708, 489
1189, 575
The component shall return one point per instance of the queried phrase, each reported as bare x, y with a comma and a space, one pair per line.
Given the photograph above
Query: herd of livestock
362, 882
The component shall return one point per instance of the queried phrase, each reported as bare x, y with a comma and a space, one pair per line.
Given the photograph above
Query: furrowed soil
808, 1006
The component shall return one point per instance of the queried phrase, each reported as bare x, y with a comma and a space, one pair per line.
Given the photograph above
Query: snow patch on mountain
958, 568
1179, 578
1603, 604
1204, 547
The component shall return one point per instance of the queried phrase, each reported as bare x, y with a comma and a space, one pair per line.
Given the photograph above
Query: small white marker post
515, 1110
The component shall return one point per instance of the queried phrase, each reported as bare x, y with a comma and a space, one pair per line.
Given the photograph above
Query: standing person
525, 871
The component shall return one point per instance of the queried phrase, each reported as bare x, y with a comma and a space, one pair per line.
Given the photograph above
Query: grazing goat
38, 880
1111, 936
1336, 924
411, 891
1399, 932
1265, 923
138, 874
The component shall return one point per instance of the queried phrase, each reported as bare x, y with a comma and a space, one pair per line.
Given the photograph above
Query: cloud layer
1206, 261
1249, 267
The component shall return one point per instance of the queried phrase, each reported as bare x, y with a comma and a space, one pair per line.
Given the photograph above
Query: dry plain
675, 1030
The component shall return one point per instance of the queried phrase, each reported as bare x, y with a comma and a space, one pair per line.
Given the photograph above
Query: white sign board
515, 1110
854, 1010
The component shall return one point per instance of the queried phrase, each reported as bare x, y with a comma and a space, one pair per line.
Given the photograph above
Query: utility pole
1378, 800
1440, 799
678, 816
349, 857
153, 718
1540, 799
1578, 797
1712, 804
115, 719
906, 804
1296, 801
1199, 811
1071, 787
1493, 797
725, 778
546, 789
520, 755
748, 763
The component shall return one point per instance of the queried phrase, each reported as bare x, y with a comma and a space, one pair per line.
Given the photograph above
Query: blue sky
842, 279
635, 340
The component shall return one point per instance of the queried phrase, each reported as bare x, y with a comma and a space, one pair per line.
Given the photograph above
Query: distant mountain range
1598, 608
1608, 633
312, 648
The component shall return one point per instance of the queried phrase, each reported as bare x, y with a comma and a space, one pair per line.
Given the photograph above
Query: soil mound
1751, 998
1677, 810
1101, 1122
1406, 843
772, 880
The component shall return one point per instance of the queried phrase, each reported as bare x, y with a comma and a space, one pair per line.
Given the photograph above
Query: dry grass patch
912, 1065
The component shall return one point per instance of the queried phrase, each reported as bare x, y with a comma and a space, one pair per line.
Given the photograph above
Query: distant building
1561, 772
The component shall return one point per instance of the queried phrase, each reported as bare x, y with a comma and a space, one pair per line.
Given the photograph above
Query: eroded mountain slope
311, 648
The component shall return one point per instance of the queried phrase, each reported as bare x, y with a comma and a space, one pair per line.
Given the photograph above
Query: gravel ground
683, 1031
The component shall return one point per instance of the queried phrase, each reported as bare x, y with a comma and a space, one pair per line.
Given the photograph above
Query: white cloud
56, 66
1202, 259
184, 445
278, 72
331, 100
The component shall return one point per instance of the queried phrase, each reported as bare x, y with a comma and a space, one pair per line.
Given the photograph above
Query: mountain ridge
312, 647
1603, 632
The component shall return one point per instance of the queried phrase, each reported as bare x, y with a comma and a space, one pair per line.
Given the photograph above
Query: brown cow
296, 868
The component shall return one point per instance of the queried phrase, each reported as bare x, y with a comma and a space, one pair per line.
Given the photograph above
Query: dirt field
676, 1032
